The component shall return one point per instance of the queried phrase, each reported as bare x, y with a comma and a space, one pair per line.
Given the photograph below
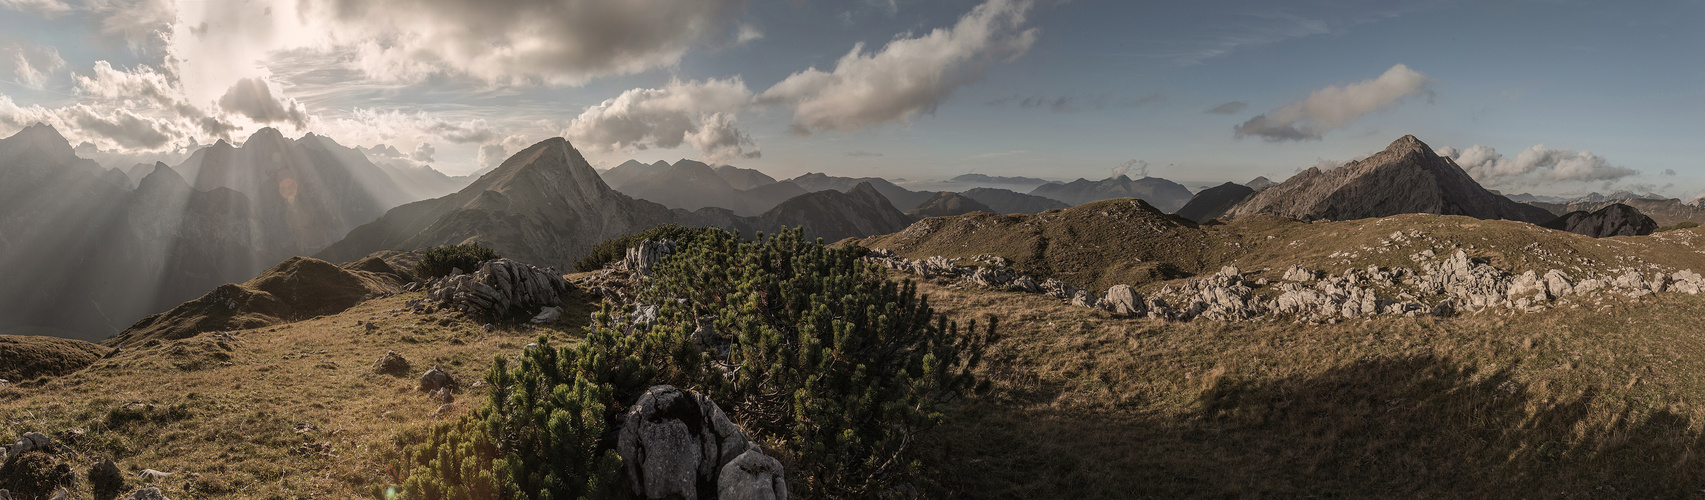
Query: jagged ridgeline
811, 350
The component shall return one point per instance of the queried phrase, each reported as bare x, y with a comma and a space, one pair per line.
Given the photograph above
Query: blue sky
1530, 96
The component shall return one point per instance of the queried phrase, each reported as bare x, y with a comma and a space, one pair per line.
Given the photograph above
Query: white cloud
909, 76
519, 41
1535, 165
1335, 107
492, 155
701, 114
32, 66
254, 98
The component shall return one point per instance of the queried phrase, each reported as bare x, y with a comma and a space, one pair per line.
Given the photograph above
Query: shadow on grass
1403, 427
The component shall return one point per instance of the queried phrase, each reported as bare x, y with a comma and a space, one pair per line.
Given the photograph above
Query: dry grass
1563, 403
233, 430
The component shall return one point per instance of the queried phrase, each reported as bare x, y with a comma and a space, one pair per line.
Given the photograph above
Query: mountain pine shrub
441, 260
829, 359
615, 249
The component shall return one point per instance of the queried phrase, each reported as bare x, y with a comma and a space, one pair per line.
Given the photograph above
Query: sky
1544, 97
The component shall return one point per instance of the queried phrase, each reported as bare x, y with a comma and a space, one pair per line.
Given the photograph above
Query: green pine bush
441, 260
830, 360
615, 249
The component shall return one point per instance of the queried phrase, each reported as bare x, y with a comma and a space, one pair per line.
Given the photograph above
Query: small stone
146, 494
435, 379
391, 364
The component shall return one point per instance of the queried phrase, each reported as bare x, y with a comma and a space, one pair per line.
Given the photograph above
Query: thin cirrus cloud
1535, 165
1230, 108
1335, 107
909, 76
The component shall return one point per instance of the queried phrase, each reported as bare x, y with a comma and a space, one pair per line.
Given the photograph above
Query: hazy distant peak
161, 176
266, 133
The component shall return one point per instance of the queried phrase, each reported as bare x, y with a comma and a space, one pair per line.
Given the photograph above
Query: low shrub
1679, 225
615, 249
440, 261
827, 358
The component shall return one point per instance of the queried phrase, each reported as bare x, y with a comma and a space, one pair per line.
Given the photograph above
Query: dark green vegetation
831, 365
1678, 225
615, 249
441, 261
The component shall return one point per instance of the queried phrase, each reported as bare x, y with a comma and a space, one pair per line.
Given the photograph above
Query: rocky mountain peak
43, 137
161, 176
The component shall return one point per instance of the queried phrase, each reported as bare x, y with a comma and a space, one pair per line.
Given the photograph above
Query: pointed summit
1407, 177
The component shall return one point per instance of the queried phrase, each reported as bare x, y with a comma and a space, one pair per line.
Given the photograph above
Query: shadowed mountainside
1615, 219
1213, 202
1006, 201
948, 203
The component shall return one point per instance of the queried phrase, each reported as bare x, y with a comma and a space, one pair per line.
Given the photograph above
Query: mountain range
1163, 194
94, 249
1407, 177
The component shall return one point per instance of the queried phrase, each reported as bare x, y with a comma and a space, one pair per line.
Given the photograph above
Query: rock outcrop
1615, 219
675, 444
1456, 284
1407, 177
500, 288
647, 253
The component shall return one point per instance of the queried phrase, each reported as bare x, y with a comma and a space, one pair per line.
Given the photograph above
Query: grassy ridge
1561, 403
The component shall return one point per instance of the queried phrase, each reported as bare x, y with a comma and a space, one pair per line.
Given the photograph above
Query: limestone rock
106, 478
648, 253
31, 441
547, 315
1558, 284
1122, 300
675, 443
435, 379
500, 288
752, 476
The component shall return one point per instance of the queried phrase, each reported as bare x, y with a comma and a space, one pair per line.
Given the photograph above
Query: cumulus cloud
1228, 108
1535, 165
254, 98
909, 76
700, 114
33, 65
492, 155
509, 41
124, 127
144, 86
1335, 107
423, 153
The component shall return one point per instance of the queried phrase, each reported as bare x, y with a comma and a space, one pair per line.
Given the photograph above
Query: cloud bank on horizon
460, 84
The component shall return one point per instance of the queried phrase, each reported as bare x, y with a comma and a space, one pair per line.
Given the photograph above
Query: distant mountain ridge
1407, 177
948, 203
1005, 201
1214, 202
1163, 194
117, 247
